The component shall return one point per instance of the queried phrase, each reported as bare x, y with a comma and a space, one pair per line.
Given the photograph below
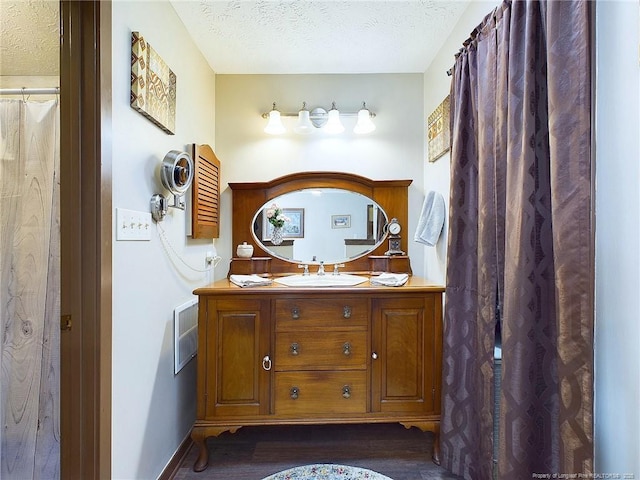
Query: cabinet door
406, 355
236, 376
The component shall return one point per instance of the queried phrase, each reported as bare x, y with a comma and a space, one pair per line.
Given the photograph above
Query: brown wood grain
253, 453
248, 198
243, 326
205, 218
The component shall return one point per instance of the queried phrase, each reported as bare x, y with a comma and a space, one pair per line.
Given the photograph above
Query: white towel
390, 279
249, 280
431, 219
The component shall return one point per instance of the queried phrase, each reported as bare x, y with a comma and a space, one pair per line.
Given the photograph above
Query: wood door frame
85, 236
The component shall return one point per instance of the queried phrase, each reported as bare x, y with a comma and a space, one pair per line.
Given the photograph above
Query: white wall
617, 352
153, 410
393, 151
437, 85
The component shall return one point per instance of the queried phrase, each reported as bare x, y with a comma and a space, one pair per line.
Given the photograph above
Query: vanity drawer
320, 393
304, 350
338, 311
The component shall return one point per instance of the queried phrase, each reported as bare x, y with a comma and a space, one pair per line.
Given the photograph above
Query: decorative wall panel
438, 132
153, 85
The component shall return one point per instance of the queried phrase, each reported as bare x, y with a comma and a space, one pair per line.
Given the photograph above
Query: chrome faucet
335, 268
305, 272
321, 269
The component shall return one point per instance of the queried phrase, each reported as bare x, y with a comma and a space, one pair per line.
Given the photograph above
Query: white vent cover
185, 327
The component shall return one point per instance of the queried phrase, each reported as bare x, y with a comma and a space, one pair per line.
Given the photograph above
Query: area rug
327, 472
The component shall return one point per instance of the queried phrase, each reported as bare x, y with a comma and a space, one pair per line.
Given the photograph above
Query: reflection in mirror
327, 225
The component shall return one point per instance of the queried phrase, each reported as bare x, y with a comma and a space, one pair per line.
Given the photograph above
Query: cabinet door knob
294, 348
374, 355
295, 313
294, 392
346, 348
346, 391
346, 311
266, 363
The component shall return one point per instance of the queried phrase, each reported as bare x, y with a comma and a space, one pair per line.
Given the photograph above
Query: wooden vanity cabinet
283, 356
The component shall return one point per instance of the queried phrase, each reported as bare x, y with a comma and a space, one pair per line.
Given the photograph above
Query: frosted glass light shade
304, 126
364, 124
334, 125
275, 126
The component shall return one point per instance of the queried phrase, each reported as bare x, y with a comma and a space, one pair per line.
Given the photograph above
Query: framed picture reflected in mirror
294, 228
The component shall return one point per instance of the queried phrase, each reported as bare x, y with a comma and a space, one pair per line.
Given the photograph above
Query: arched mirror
330, 225
335, 217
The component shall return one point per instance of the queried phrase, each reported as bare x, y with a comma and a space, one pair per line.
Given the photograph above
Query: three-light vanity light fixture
317, 118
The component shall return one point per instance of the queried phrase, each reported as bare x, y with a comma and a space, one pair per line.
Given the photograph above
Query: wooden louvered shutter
205, 217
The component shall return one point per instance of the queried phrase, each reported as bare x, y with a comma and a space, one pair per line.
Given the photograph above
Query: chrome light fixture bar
319, 118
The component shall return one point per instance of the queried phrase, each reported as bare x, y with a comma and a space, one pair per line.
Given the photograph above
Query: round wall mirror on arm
313, 217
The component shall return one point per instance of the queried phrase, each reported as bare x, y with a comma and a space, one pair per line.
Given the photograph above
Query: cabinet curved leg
436, 445
203, 454
429, 427
199, 436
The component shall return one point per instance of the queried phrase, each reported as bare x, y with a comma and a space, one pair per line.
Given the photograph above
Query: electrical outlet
133, 225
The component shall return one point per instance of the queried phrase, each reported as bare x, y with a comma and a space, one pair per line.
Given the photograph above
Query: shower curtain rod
30, 91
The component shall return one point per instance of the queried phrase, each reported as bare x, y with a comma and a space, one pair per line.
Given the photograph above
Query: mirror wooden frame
248, 198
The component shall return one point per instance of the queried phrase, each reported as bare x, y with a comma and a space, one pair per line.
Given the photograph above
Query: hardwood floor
253, 453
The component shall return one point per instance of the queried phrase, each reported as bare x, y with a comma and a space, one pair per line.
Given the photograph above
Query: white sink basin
328, 280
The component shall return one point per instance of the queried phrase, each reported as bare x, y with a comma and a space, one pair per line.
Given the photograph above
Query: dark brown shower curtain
520, 246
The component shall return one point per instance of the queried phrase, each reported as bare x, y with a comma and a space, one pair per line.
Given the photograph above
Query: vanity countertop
225, 286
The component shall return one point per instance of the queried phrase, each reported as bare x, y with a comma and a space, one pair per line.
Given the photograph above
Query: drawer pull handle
294, 348
294, 392
266, 363
346, 348
346, 391
374, 355
346, 311
295, 313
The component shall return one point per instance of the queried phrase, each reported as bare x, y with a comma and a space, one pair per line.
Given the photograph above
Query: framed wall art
294, 228
340, 221
438, 131
153, 85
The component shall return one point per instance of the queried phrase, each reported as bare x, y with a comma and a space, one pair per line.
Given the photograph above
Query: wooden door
406, 363
234, 373
85, 240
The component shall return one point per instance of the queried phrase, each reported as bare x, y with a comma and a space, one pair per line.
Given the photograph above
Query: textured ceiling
29, 37
267, 36
311, 36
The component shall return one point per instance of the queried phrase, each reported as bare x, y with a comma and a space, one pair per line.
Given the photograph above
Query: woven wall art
153, 85
438, 132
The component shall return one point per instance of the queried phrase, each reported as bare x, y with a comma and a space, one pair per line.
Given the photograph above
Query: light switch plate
132, 225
